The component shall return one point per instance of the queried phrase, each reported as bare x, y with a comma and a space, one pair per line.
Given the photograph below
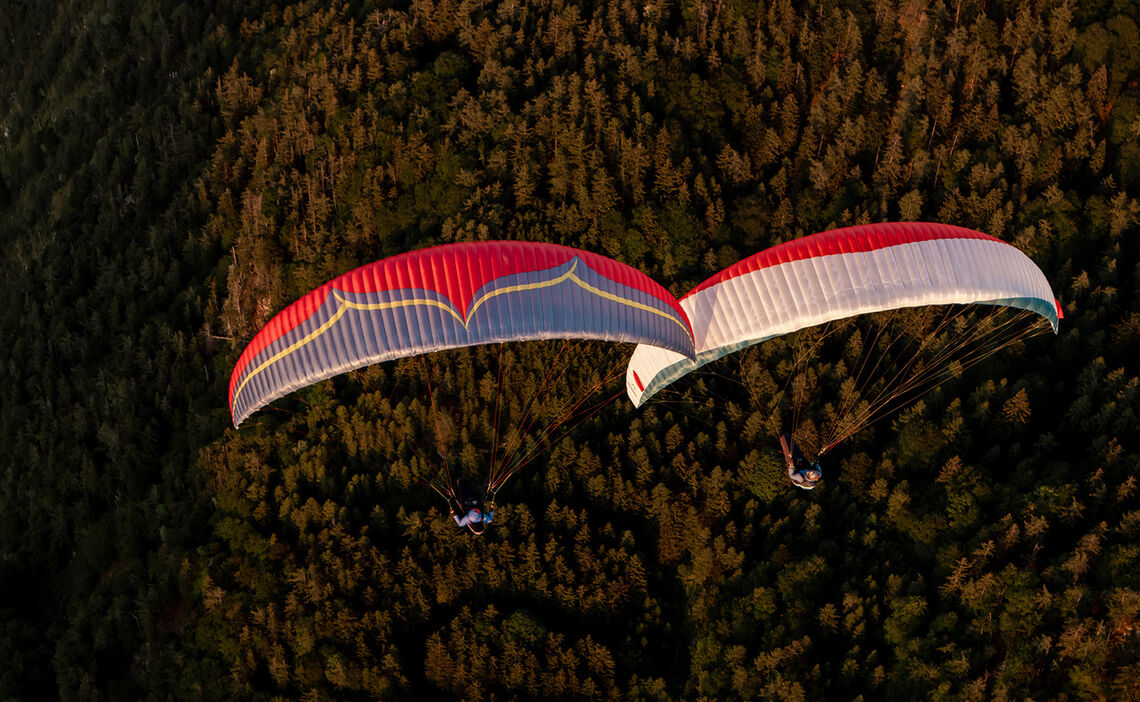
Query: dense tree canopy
172, 175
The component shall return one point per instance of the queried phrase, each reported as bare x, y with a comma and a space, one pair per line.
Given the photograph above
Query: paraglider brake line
509, 456
435, 418
553, 430
449, 495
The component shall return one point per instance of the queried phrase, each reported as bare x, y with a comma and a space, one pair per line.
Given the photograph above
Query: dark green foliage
173, 174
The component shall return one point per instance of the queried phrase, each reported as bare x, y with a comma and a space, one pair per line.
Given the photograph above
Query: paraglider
468, 510
448, 297
896, 269
803, 473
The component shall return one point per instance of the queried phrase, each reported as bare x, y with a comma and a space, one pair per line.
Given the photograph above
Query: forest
174, 174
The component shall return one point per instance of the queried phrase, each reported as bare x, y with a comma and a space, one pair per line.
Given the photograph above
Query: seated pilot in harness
802, 472
469, 510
